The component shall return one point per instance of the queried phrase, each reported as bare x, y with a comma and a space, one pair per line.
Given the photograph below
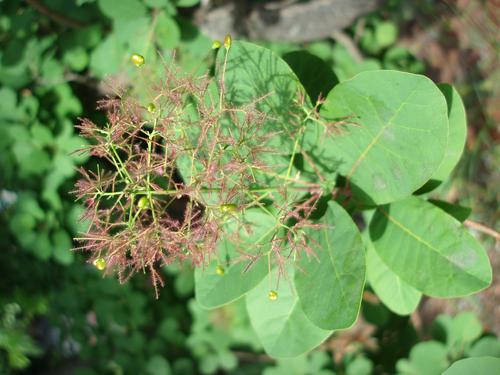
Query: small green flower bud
143, 202
227, 41
151, 107
228, 208
137, 60
100, 264
219, 270
216, 44
272, 295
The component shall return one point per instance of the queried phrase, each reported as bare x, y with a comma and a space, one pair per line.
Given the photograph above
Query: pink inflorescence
165, 179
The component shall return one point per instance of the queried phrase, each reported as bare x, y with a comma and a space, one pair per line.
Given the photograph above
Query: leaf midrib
427, 244
375, 140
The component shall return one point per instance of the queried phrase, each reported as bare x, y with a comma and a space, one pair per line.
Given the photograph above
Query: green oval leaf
461, 330
281, 325
457, 132
256, 78
127, 9
457, 135
255, 229
395, 137
107, 57
486, 346
167, 31
480, 365
62, 247
426, 358
429, 249
254, 74
395, 293
330, 286
386, 34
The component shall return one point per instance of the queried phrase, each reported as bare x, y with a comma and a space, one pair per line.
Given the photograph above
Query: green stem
268, 189
148, 170
119, 164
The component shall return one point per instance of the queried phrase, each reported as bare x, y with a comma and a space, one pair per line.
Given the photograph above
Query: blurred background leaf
60, 315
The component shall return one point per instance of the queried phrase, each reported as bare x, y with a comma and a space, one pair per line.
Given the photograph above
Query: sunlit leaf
281, 324
429, 249
394, 139
395, 293
240, 273
330, 286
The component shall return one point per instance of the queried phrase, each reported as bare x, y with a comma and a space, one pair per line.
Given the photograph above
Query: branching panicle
179, 169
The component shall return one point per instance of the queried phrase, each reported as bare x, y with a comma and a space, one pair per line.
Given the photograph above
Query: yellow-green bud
272, 295
137, 59
227, 41
143, 202
100, 264
216, 44
219, 270
228, 208
151, 107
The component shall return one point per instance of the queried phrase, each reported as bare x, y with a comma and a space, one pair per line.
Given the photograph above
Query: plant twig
371, 297
349, 44
483, 229
251, 357
56, 16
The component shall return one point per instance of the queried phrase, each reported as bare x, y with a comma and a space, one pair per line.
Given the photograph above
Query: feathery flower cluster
174, 171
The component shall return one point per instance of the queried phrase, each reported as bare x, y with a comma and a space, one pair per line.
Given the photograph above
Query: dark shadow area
314, 74
379, 222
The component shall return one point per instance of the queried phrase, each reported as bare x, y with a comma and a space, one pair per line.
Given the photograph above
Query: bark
286, 21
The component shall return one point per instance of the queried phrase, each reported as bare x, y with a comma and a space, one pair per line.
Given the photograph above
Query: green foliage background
58, 313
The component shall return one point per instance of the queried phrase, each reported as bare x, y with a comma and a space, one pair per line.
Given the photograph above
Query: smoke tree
263, 185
